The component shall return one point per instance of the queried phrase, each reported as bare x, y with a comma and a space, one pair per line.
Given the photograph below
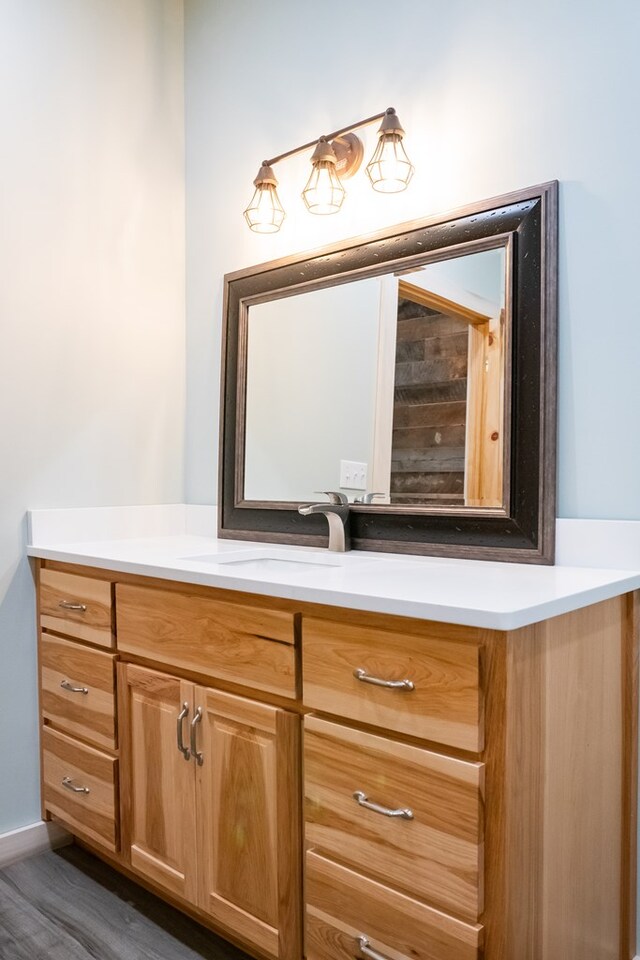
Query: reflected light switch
353, 475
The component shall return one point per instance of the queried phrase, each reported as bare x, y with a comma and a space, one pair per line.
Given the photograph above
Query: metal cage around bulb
390, 169
323, 193
336, 156
265, 213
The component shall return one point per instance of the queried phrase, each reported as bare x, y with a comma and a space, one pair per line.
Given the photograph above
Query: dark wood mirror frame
526, 223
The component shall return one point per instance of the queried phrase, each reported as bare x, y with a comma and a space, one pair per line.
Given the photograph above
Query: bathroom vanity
311, 779
366, 755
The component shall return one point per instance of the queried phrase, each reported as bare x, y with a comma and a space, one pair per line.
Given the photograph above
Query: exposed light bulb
390, 169
265, 212
323, 193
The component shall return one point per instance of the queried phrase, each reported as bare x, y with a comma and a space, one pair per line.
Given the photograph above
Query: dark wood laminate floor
68, 905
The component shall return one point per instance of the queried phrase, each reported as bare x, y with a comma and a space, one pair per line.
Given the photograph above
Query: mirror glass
392, 385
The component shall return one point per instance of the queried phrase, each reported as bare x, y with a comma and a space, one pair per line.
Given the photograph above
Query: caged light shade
336, 156
265, 212
390, 169
323, 193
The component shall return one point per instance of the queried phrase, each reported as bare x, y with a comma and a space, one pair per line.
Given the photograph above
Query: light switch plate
353, 475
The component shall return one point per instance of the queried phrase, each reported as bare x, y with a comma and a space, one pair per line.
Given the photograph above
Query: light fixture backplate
349, 151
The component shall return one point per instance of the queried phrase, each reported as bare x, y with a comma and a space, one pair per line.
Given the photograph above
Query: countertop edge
505, 621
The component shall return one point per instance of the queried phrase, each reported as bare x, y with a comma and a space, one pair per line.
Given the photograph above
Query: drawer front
444, 704
77, 606
343, 906
91, 811
242, 644
78, 689
433, 850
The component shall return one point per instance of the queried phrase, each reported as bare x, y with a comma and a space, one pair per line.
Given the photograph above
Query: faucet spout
337, 515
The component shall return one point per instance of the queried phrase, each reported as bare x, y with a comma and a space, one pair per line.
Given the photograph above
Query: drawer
242, 644
77, 606
444, 704
342, 906
436, 853
78, 689
67, 764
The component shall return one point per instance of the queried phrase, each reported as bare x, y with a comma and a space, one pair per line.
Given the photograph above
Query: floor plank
68, 905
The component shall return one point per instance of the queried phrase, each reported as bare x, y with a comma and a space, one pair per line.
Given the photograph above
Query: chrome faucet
368, 497
337, 514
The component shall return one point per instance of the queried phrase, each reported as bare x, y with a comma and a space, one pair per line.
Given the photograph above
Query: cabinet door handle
69, 784
194, 750
367, 950
362, 675
69, 605
66, 685
404, 812
181, 747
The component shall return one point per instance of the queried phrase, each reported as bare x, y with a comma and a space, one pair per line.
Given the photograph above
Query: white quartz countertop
177, 543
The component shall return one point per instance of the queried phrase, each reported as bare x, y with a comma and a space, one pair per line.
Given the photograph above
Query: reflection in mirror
393, 385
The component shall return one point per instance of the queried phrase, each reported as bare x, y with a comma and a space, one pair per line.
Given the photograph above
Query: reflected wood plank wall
427, 459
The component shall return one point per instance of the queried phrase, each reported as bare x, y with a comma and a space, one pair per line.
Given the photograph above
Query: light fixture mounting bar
329, 137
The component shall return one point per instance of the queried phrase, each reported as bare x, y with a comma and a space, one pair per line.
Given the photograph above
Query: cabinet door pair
210, 807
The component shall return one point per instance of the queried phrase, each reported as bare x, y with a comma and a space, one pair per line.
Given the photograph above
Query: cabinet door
249, 821
158, 783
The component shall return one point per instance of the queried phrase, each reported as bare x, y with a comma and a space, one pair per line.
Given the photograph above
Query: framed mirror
414, 372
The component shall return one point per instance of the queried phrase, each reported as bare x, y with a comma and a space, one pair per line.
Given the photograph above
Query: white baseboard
29, 840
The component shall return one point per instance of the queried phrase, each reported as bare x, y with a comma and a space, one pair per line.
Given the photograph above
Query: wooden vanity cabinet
468, 794
79, 755
471, 794
158, 786
209, 803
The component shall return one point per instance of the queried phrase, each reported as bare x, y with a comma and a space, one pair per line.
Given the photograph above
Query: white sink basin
249, 561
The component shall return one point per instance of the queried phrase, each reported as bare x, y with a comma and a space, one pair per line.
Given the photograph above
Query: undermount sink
282, 560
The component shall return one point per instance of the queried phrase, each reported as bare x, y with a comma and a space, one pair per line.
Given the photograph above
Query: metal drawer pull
364, 801
68, 783
186, 753
361, 674
194, 750
66, 685
68, 605
367, 951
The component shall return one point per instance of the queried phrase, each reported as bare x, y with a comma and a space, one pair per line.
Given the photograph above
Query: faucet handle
334, 496
368, 497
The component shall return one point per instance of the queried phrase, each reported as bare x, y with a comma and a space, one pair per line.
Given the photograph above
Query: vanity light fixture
265, 214
323, 193
390, 169
336, 157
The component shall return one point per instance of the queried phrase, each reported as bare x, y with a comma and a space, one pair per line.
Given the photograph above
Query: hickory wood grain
445, 705
95, 624
158, 784
581, 869
436, 856
558, 811
242, 644
558, 703
94, 814
249, 821
90, 716
343, 905
629, 878
225, 835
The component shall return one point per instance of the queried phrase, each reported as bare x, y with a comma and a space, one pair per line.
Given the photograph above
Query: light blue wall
494, 96
91, 298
